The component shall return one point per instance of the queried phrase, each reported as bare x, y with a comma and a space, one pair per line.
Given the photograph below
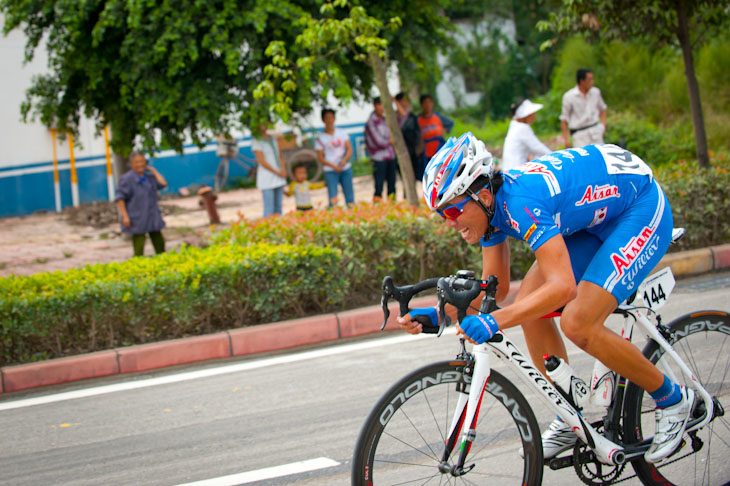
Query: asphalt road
300, 410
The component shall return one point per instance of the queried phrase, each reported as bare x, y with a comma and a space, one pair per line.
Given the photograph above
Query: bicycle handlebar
458, 290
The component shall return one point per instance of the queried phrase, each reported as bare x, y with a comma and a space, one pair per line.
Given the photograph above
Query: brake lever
403, 295
389, 292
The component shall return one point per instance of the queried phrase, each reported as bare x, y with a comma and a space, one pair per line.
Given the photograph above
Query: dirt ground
90, 234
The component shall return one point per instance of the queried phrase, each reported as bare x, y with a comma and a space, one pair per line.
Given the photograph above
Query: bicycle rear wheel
402, 440
702, 340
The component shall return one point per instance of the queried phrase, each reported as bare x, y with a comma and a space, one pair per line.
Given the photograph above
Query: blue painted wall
23, 190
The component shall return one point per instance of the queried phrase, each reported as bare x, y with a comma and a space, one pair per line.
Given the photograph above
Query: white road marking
268, 473
221, 370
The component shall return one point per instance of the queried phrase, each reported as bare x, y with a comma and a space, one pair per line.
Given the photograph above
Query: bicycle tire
402, 439
702, 339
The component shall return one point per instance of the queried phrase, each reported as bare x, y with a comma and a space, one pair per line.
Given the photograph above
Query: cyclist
592, 215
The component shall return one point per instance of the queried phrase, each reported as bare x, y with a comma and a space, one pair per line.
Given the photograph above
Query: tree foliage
160, 71
361, 37
503, 67
683, 23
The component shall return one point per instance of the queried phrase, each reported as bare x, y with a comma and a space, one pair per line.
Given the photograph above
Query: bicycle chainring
592, 471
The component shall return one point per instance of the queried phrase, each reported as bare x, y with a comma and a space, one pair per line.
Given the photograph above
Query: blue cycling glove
429, 313
480, 327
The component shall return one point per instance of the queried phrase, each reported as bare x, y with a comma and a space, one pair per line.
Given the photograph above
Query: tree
157, 72
367, 36
684, 23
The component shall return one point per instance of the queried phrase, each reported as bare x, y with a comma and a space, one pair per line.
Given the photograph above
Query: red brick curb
282, 335
61, 370
269, 337
145, 357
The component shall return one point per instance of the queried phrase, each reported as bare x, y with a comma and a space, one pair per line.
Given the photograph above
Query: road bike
461, 422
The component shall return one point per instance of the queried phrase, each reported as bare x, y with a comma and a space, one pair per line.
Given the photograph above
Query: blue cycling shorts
621, 255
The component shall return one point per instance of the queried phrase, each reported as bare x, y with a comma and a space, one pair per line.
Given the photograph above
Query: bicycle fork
467, 410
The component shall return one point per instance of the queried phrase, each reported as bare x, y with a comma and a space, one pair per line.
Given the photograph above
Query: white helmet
454, 168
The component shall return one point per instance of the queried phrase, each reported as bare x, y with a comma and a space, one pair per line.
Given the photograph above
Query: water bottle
602, 385
572, 387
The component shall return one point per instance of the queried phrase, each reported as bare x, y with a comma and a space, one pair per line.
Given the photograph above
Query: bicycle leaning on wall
461, 422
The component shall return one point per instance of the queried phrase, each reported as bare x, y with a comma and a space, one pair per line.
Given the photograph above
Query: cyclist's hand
125, 221
478, 328
414, 321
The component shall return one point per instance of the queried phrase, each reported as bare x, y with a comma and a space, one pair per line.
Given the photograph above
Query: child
300, 187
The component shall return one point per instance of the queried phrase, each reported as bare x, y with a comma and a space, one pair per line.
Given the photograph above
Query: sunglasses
455, 210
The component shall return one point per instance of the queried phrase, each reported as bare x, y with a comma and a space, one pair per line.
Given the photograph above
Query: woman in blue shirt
138, 204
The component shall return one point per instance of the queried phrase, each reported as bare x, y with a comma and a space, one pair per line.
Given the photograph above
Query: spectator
521, 144
271, 176
380, 148
411, 132
138, 204
300, 188
434, 128
584, 112
333, 152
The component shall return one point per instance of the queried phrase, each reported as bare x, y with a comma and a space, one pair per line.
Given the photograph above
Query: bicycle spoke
433, 415
418, 431
411, 446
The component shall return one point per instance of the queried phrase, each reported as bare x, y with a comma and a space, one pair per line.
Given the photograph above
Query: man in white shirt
584, 112
521, 145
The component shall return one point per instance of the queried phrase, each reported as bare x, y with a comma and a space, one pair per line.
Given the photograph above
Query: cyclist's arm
558, 289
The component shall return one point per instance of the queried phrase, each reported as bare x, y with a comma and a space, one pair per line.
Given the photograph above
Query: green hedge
187, 292
699, 199
375, 240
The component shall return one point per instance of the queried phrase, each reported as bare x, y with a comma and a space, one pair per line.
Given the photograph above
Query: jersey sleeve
530, 220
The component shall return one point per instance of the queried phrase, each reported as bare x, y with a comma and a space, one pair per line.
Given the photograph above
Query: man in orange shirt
434, 128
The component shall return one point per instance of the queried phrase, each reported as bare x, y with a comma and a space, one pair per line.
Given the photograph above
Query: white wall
26, 143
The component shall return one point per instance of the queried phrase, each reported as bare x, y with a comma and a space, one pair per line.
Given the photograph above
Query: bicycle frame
605, 450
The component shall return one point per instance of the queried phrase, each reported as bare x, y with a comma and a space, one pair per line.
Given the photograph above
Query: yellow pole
56, 181
109, 172
74, 178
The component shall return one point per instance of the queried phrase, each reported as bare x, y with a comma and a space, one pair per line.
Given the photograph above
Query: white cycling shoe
557, 438
670, 425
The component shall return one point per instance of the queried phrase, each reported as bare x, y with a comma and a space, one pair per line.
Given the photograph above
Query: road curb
270, 337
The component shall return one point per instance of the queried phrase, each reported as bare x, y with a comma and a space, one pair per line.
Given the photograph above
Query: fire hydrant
207, 200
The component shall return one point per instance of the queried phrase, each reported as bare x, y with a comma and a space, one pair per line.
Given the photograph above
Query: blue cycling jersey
602, 199
567, 191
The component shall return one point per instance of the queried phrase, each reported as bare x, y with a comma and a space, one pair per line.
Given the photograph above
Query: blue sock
667, 395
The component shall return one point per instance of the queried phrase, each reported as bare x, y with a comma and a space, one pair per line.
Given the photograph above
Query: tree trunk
401, 151
698, 120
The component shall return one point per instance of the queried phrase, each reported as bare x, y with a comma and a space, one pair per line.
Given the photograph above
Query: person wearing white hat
521, 142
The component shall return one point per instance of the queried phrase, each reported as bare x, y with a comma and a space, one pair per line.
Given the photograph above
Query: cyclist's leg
542, 335
632, 245
583, 323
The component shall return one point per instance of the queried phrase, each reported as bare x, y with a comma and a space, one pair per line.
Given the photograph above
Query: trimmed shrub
376, 240
699, 199
188, 292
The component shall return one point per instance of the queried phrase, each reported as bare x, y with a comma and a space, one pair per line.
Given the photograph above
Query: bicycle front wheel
702, 340
403, 439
